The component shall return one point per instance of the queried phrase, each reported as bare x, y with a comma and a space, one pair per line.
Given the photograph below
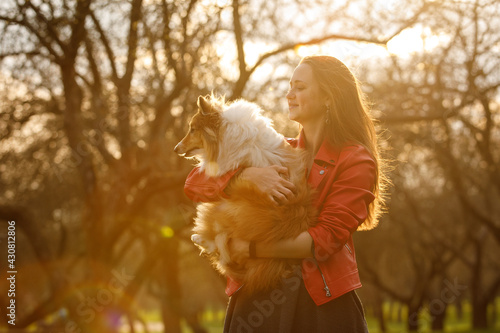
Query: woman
344, 168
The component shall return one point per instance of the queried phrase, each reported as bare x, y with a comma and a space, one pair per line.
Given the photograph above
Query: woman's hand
269, 181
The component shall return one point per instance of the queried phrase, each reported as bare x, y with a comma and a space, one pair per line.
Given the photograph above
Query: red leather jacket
344, 180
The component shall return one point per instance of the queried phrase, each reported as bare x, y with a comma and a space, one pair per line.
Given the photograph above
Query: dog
226, 136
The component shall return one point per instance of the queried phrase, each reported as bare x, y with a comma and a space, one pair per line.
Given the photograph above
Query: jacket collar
327, 153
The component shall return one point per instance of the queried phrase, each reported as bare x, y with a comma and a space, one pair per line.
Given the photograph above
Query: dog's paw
221, 243
196, 239
206, 246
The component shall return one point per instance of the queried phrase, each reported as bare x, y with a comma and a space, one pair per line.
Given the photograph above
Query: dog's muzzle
178, 148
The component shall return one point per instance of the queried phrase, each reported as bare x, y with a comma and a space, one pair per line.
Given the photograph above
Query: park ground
212, 320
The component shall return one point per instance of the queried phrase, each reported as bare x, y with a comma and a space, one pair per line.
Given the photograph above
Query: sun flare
405, 43
414, 40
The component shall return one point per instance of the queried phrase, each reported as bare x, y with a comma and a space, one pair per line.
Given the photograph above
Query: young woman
345, 169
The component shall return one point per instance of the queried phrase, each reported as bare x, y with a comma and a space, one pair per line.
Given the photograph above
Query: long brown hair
349, 121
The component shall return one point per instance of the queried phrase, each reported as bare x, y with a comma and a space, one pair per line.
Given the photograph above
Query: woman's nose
289, 94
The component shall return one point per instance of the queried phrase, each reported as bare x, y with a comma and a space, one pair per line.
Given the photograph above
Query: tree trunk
479, 314
379, 314
413, 320
438, 317
479, 300
399, 314
171, 300
193, 320
460, 309
494, 315
439, 305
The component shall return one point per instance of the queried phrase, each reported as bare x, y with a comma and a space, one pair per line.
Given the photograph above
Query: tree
442, 105
109, 87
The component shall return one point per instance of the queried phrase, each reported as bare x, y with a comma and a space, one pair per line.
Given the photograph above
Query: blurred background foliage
95, 94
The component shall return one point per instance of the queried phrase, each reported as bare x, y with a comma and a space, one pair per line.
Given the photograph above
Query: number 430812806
11, 244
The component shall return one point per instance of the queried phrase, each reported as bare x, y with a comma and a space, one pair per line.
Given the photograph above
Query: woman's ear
327, 102
328, 106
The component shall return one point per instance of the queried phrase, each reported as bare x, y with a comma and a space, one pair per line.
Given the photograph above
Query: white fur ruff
248, 138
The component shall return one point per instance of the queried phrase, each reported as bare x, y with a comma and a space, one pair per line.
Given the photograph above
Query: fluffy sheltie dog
224, 137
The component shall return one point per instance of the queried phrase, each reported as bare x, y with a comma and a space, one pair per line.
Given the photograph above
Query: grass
213, 320
453, 322
395, 315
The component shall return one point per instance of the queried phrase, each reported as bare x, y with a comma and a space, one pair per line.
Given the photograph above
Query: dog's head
202, 138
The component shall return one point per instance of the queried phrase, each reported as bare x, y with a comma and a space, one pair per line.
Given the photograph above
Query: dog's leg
221, 245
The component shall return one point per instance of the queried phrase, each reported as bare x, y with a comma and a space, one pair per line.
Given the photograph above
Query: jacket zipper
328, 294
238, 289
327, 289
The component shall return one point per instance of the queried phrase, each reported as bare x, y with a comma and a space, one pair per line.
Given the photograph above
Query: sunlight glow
307, 50
409, 41
345, 50
414, 40
147, 62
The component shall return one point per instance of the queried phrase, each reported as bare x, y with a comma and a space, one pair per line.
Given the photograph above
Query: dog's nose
176, 148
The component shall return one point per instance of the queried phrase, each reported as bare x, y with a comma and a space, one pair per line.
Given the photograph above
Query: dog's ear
205, 107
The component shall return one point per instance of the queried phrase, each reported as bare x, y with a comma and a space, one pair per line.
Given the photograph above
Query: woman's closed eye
299, 88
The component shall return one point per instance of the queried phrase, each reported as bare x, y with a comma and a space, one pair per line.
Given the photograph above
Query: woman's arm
201, 188
343, 210
297, 248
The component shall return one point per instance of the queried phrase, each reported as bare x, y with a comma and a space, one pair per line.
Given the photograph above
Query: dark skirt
290, 309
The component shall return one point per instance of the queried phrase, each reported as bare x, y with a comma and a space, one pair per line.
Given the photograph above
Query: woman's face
305, 101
